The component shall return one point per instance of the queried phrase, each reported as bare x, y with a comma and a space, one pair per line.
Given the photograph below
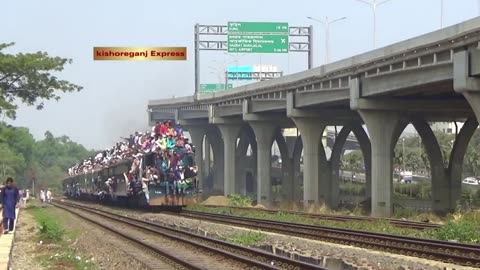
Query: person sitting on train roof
161, 143
180, 142
170, 142
171, 130
178, 130
163, 128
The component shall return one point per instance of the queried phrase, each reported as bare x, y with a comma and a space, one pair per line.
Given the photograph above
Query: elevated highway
433, 77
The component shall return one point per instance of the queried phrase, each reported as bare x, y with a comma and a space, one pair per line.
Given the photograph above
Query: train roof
121, 162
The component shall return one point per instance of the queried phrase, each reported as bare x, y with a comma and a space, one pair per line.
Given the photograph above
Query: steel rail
249, 256
451, 252
396, 222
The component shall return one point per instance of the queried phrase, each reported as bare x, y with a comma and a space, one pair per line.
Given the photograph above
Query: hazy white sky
113, 102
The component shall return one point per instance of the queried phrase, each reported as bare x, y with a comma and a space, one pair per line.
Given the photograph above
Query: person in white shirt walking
49, 195
42, 196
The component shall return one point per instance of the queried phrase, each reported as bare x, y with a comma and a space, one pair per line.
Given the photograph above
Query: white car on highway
471, 181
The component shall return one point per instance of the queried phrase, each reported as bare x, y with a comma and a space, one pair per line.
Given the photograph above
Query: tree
26, 77
472, 161
352, 162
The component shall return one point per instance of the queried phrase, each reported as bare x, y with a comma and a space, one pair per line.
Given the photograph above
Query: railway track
197, 252
450, 252
396, 222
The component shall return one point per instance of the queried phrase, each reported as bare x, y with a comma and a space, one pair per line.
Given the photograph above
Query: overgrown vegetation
463, 226
246, 238
51, 232
420, 191
352, 188
239, 200
468, 223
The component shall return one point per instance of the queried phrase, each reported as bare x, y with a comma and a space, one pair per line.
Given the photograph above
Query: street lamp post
374, 4
327, 23
441, 13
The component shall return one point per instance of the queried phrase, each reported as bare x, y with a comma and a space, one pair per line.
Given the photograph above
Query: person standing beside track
10, 196
42, 196
49, 195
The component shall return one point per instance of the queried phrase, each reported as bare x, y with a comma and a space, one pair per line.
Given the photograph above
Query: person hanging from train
145, 182
10, 197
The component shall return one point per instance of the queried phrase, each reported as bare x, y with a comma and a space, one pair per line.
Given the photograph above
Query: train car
92, 186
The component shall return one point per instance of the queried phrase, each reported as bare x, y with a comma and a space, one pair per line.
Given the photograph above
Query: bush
416, 190
50, 230
239, 200
462, 231
352, 189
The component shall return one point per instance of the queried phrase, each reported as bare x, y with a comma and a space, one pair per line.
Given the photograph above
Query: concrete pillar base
230, 134
311, 132
381, 127
264, 134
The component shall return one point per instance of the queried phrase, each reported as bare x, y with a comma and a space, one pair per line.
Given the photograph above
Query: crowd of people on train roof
165, 139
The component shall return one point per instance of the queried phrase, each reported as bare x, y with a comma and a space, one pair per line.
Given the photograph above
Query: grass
246, 238
465, 228
51, 231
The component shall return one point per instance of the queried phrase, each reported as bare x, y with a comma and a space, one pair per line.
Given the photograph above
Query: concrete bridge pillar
264, 134
455, 165
287, 167
297, 179
311, 131
247, 139
229, 134
216, 142
197, 133
381, 127
206, 152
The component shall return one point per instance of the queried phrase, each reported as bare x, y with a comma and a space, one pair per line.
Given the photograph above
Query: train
92, 186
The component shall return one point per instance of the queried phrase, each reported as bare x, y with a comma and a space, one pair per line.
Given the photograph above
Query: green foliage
462, 231
247, 238
239, 200
470, 198
22, 158
352, 161
351, 188
471, 163
27, 77
421, 191
50, 229
403, 212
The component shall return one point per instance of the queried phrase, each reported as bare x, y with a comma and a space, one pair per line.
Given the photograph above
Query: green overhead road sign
257, 37
213, 88
258, 27
258, 43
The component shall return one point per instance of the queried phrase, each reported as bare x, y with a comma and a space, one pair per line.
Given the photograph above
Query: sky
114, 100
